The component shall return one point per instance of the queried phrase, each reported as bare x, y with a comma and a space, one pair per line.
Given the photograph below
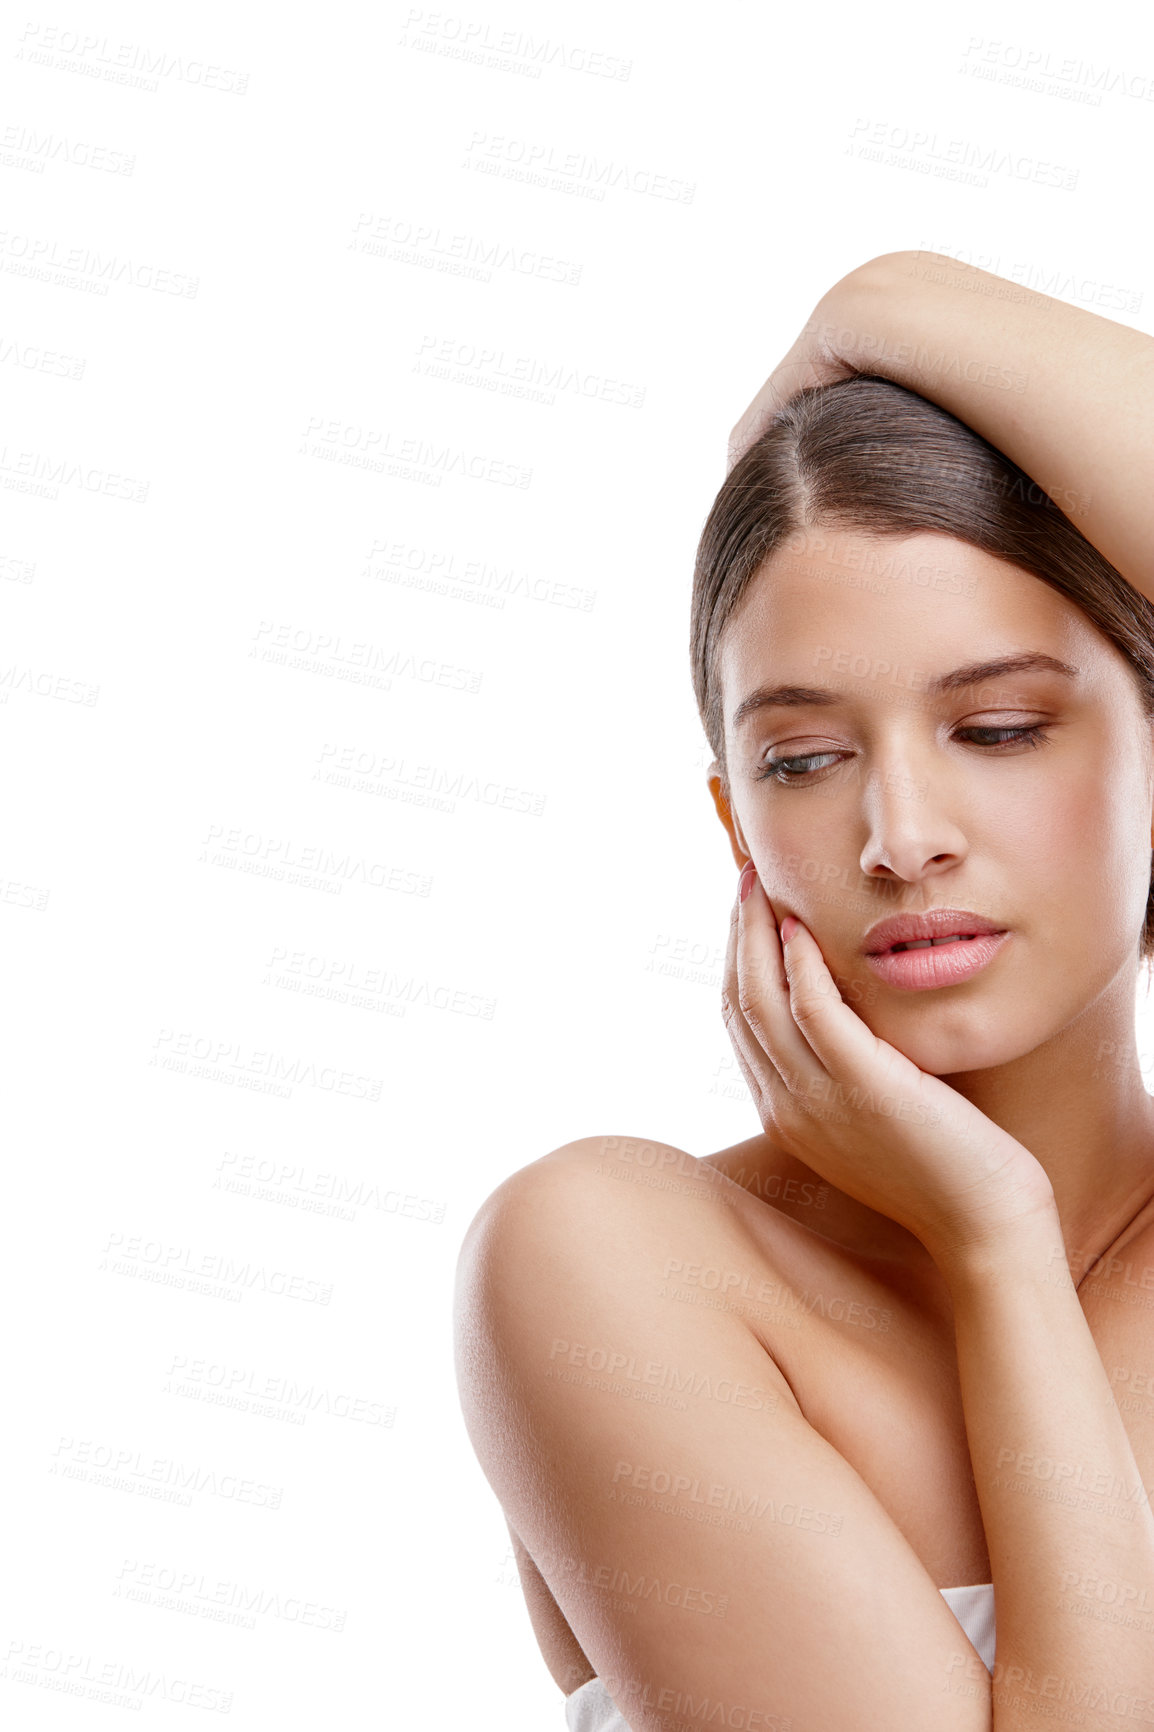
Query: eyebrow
976, 673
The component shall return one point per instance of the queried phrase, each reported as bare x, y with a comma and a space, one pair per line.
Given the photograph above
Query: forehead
832, 599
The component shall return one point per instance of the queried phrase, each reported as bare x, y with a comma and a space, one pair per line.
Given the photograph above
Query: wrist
864, 321
1031, 1247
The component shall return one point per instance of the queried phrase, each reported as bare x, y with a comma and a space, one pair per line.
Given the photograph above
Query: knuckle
806, 1012
766, 973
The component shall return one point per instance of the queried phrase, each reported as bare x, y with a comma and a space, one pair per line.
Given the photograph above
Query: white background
247, 539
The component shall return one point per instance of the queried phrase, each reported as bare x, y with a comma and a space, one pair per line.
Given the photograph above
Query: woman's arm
713, 1553
719, 1562
560, 1649
1061, 1494
1060, 1491
1064, 393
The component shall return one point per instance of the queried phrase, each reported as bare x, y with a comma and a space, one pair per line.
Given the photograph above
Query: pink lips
951, 945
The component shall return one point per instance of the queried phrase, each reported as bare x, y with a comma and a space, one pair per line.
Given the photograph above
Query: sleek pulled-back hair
868, 455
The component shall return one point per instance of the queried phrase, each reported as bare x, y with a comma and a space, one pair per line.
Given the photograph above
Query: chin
945, 1040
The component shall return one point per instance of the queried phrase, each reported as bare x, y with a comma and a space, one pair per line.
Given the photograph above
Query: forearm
1061, 1494
1065, 393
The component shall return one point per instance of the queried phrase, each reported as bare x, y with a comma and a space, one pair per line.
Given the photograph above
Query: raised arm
1064, 393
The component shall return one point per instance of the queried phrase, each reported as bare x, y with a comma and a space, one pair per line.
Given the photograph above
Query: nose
911, 835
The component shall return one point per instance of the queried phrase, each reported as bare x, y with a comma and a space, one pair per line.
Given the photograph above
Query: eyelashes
783, 771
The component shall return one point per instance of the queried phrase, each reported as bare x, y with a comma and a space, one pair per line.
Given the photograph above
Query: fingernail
745, 884
788, 927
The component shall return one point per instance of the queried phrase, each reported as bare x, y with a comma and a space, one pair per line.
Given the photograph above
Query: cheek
801, 842
1086, 853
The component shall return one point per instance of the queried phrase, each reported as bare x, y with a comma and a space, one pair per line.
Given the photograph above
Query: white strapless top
592, 1709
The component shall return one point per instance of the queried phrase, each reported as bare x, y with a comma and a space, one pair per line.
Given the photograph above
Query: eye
1034, 735
807, 766
795, 769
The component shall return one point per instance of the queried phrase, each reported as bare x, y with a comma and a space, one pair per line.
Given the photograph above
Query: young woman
775, 1429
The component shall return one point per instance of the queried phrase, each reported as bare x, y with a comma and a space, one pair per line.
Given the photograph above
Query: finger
763, 993
765, 1094
756, 1064
838, 1037
769, 1089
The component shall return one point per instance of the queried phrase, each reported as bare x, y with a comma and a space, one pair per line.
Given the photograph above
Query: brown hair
867, 454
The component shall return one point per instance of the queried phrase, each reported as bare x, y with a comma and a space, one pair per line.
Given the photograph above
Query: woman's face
892, 790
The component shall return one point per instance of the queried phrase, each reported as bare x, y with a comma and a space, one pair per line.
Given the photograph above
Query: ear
716, 784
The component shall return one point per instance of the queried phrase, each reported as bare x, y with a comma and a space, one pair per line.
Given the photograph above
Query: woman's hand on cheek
857, 1110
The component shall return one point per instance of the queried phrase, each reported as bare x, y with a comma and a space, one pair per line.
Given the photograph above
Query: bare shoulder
632, 1160
599, 1227
553, 1262
683, 1530
585, 1209
561, 1253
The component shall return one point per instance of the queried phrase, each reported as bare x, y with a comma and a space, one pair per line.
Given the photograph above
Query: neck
1079, 1104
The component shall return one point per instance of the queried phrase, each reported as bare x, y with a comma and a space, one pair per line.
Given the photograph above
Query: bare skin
867, 1334
879, 1384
